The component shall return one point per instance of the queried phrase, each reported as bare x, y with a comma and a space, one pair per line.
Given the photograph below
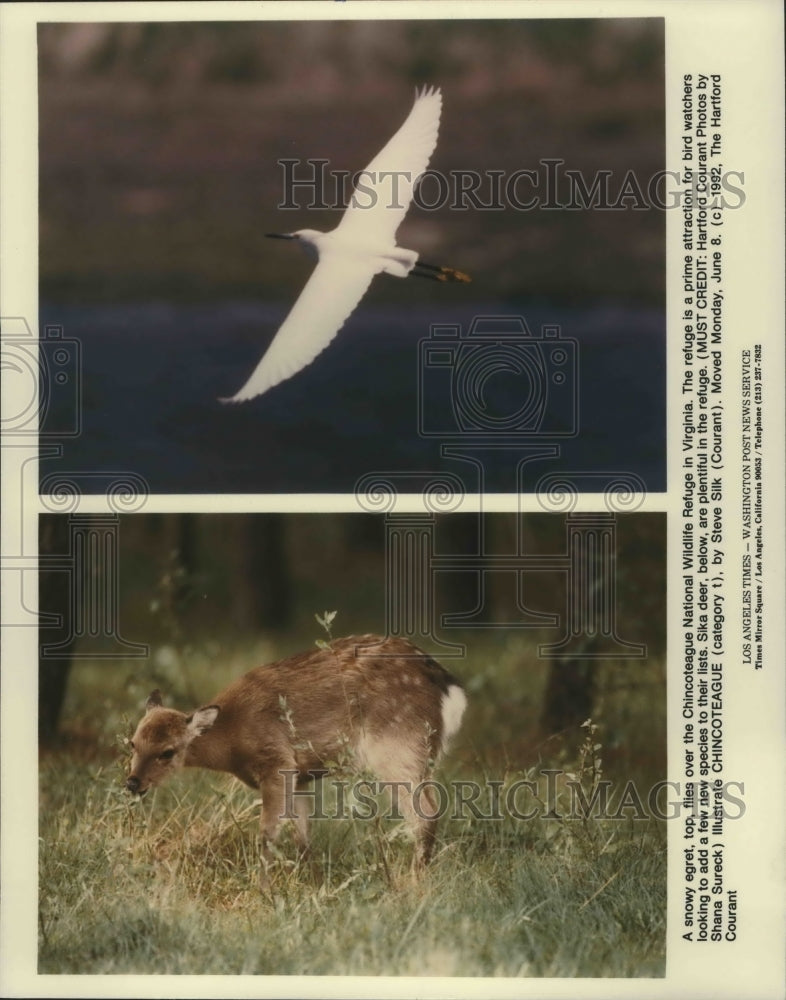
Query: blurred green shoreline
159, 150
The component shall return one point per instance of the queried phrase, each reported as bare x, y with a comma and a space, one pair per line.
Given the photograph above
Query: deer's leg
301, 810
425, 811
406, 763
278, 802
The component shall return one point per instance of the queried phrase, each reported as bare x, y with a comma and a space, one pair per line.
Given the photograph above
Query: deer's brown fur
382, 700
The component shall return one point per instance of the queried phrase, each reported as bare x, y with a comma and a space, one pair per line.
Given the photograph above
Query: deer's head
161, 742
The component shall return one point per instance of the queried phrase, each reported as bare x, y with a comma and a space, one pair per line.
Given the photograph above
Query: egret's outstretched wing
329, 296
385, 188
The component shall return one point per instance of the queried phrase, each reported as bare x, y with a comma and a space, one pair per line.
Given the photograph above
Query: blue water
142, 399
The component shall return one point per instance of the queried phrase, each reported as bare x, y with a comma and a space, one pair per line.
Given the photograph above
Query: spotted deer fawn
382, 700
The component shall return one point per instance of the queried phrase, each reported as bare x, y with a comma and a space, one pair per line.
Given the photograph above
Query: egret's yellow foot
451, 274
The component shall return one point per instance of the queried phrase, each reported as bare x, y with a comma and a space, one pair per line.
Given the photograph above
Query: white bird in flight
362, 244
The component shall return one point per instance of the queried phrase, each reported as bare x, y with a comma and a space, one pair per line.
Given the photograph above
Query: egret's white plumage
362, 245
399, 163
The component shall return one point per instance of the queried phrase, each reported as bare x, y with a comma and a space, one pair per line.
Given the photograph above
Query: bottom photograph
353, 744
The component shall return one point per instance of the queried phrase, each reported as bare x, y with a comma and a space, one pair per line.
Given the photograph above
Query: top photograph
313, 257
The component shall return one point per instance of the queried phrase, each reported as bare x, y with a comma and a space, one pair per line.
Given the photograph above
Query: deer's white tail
454, 702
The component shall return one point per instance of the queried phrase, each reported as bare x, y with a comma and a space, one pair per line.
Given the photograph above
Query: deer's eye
166, 755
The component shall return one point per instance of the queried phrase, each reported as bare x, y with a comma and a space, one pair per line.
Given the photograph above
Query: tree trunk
267, 572
54, 598
570, 694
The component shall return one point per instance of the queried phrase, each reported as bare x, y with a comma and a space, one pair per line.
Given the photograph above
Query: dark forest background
206, 597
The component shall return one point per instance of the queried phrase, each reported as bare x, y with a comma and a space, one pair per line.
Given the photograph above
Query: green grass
168, 884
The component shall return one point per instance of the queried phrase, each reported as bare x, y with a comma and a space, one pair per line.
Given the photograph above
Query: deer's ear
154, 700
202, 719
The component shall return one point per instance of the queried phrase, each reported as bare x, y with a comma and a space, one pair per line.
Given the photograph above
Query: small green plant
343, 762
587, 779
285, 715
325, 620
428, 737
590, 762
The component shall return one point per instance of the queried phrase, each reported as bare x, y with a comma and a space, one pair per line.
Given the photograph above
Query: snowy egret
362, 244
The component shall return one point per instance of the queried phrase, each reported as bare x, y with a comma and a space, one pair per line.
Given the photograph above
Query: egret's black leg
427, 274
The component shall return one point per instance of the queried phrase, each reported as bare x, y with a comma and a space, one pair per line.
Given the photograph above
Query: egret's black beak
280, 236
